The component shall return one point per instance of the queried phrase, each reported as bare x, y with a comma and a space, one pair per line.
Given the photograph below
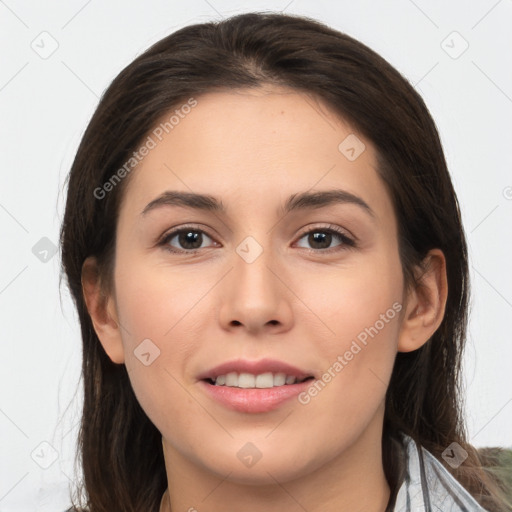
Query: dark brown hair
120, 449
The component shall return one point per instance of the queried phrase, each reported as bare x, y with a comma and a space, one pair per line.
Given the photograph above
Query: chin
281, 466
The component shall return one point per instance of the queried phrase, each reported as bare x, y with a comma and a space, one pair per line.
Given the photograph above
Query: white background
45, 105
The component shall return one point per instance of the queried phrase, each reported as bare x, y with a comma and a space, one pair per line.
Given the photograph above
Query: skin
295, 302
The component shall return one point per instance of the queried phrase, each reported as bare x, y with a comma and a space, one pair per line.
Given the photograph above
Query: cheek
154, 311
359, 317
153, 300
350, 298
157, 347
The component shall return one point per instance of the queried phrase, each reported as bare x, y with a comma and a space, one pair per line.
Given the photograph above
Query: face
317, 286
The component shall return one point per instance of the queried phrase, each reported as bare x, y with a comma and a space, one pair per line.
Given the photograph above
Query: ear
425, 305
102, 311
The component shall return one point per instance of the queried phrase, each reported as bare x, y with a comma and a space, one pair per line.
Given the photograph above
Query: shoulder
429, 486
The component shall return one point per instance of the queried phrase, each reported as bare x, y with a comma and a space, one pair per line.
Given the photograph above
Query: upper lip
254, 367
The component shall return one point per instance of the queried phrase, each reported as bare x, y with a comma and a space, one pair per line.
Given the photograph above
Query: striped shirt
429, 487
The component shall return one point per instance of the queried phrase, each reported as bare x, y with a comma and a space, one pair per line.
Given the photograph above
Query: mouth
263, 373
265, 380
240, 393
254, 386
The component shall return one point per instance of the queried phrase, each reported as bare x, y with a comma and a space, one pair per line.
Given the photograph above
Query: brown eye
322, 238
185, 240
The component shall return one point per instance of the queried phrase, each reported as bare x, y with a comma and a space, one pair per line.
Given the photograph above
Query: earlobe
426, 303
101, 309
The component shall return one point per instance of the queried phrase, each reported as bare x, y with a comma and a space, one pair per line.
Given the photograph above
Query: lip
256, 368
253, 400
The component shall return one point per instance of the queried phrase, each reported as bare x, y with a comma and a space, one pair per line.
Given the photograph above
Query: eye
185, 240
321, 239
189, 240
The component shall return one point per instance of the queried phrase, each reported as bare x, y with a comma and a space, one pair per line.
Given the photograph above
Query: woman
267, 257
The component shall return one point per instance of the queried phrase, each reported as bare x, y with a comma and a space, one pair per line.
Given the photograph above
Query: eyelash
347, 242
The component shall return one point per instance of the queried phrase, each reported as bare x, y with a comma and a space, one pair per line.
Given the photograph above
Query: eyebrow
299, 201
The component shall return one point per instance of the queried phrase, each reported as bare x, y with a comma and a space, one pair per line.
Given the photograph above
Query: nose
255, 295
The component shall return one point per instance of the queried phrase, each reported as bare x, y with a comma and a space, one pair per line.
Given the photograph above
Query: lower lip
254, 400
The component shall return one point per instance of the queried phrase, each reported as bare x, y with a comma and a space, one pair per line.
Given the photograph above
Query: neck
352, 480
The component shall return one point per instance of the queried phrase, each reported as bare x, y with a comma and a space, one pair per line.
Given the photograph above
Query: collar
428, 486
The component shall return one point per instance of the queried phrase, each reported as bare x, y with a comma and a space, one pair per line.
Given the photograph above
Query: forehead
257, 146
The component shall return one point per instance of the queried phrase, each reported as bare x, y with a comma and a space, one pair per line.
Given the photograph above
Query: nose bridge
252, 274
253, 295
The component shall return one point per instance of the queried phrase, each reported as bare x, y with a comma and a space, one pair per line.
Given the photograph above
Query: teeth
290, 379
248, 380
